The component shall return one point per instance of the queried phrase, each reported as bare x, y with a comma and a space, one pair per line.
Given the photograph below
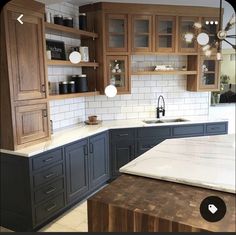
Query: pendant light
75, 57
110, 91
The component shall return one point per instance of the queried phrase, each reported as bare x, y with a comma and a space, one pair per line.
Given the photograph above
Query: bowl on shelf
92, 118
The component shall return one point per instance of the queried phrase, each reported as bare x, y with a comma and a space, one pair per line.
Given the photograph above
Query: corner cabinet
24, 106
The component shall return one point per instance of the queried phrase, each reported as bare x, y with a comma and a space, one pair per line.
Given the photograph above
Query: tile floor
73, 220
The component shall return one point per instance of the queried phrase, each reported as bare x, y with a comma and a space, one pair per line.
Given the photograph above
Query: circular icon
213, 209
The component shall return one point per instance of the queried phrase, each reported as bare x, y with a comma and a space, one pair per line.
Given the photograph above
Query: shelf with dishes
170, 72
68, 31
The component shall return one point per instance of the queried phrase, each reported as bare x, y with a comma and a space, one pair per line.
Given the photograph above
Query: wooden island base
138, 204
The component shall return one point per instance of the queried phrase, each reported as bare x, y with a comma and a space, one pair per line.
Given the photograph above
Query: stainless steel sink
156, 121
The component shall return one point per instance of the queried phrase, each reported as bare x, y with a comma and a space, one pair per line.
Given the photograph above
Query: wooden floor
138, 204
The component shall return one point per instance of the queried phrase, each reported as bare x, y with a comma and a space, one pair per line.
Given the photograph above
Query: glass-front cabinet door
141, 33
209, 74
165, 33
187, 40
117, 73
116, 32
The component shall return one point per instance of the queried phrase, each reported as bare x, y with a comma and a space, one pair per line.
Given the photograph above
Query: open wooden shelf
67, 31
174, 72
73, 95
69, 64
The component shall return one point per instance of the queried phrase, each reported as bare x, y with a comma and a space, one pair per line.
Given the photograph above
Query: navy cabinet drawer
47, 159
159, 132
47, 175
121, 134
216, 128
188, 130
146, 144
49, 190
47, 209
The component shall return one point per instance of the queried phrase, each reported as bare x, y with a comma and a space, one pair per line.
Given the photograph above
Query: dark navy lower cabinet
122, 152
98, 160
216, 128
188, 130
143, 145
77, 172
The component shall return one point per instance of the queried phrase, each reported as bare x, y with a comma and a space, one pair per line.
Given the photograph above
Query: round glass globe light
188, 37
202, 39
110, 91
75, 57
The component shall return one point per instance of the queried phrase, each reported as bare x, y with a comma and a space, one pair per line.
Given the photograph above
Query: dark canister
71, 87
82, 21
58, 19
63, 87
81, 83
68, 21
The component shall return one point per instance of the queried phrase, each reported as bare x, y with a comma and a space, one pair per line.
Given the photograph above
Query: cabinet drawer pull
48, 160
45, 113
51, 207
215, 128
91, 148
123, 134
85, 149
50, 190
49, 175
43, 88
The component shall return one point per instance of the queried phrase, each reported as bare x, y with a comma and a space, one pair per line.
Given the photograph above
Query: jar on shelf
63, 87
68, 22
58, 19
82, 21
81, 82
71, 87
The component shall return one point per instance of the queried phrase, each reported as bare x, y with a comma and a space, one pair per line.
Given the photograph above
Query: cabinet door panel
77, 170
26, 43
31, 123
99, 163
122, 152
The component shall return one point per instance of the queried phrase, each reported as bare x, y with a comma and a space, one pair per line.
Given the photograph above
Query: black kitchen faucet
162, 108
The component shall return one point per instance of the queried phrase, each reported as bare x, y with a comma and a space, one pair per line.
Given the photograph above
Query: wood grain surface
138, 204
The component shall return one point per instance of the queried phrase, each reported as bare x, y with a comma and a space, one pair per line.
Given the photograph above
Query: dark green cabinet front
122, 152
99, 162
77, 174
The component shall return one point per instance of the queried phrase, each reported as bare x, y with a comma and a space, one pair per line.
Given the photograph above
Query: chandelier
219, 36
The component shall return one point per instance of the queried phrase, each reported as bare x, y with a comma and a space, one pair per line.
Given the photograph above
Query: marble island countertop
207, 162
80, 131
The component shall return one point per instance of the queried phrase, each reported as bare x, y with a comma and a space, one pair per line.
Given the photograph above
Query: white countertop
80, 131
207, 161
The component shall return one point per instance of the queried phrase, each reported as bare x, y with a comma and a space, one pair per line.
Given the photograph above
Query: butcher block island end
165, 195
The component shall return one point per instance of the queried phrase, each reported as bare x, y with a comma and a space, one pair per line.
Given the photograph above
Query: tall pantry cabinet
24, 105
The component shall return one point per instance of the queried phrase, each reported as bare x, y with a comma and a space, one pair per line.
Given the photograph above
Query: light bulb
211, 22
205, 48
216, 22
110, 91
75, 57
208, 53
197, 25
188, 37
207, 22
218, 56
202, 39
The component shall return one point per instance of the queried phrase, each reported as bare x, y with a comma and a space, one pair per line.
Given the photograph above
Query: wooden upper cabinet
31, 123
142, 33
27, 47
116, 33
165, 34
118, 73
186, 27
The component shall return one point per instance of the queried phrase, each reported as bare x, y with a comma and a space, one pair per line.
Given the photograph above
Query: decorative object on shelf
58, 19
220, 35
110, 91
48, 17
81, 82
63, 87
68, 22
82, 21
71, 87
92, 120
84, 51
49, 55
184, 68
163, 68
75, 56
116, 69
93, 123
57, 49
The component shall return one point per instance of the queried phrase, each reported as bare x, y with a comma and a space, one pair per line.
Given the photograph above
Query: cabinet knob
45, 113
43, 88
